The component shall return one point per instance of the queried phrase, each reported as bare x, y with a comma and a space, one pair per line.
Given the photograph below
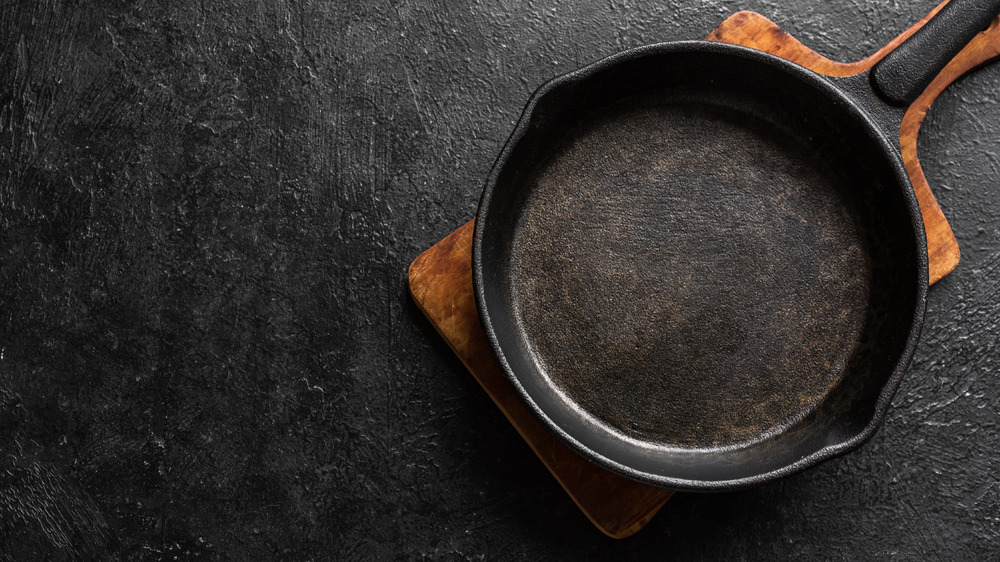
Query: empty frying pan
704, 267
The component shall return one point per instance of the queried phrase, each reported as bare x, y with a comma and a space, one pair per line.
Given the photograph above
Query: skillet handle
903, 74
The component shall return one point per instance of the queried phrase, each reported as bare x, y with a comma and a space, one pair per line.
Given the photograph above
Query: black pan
704, 267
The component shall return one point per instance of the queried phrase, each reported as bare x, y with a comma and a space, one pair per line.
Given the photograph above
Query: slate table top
206, 344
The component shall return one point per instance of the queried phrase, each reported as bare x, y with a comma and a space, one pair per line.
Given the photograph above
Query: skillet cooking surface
687, 273
698, 269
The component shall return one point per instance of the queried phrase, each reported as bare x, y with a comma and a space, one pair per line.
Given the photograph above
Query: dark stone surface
206, 346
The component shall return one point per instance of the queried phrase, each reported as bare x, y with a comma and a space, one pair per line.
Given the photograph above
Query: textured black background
206, 346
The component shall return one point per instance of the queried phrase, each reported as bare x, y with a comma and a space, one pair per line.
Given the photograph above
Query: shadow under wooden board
440, 279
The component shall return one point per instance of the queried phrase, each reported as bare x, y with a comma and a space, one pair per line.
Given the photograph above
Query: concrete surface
206, 346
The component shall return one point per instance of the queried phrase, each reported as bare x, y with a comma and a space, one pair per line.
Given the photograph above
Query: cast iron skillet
704, 267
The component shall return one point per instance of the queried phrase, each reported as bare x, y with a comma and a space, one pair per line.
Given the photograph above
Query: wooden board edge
416, 283
753, 30
983, 49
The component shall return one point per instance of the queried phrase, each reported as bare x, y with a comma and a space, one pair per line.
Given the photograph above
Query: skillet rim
864, 105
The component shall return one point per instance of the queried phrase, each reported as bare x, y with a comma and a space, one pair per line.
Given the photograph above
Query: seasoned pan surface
699, 269
688, 273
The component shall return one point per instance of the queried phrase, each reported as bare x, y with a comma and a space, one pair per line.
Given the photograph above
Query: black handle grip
903, 74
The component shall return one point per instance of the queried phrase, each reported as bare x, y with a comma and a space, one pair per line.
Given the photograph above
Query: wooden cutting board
440, 279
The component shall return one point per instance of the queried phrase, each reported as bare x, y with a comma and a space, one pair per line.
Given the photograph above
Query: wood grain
440, 281
441, 284
942, 247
